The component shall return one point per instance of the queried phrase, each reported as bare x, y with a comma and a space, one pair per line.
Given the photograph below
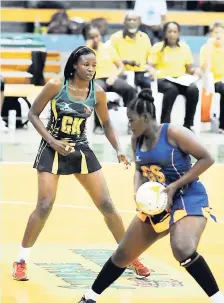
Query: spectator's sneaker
3, 127
140, 269
84, 300
20, 271
189, 127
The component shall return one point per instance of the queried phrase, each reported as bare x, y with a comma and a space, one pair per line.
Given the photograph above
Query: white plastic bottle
214, 124
12, 120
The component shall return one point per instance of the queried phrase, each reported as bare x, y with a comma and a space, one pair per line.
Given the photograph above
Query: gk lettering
71, 126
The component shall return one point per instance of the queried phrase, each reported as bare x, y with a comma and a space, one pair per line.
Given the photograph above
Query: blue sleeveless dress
165, 164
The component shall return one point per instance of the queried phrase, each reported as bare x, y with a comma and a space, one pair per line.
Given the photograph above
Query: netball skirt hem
82, 161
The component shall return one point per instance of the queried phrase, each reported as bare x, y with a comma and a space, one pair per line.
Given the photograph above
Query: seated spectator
59, 23
153, 17
133, 47
109, 68
212, 60
174, 58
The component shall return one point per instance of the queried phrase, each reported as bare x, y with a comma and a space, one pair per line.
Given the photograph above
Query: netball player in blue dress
64, 150
162, 154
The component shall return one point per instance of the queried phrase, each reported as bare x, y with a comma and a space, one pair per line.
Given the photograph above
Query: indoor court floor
75, 243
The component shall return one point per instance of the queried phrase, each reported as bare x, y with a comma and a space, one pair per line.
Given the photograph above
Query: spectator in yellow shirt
212, 60
109, 68
133, 47
174, 58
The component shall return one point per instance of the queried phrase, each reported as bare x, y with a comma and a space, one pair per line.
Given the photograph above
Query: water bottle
12, 120
37, 29
214, 124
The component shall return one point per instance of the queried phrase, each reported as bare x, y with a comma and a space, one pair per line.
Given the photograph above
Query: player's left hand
123, 159
170, 190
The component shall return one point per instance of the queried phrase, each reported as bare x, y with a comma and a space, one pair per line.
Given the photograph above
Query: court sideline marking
86, 207
101, 162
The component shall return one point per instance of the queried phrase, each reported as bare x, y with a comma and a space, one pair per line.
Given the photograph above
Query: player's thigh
138, 237
47, 187
96, 186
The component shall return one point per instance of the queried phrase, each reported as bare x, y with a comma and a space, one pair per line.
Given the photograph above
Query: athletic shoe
140, 269
20, 271
84, 300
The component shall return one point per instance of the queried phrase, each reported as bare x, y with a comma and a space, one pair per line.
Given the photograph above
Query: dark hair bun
146, 94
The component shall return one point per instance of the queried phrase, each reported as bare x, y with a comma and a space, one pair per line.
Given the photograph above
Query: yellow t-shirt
137, 49
217, 61
171, 61
106, 56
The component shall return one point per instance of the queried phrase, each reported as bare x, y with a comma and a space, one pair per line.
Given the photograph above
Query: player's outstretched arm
103, 115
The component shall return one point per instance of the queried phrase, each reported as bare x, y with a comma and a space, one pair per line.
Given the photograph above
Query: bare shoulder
99, 88
54, 84
176, 132
173, 130
100, 93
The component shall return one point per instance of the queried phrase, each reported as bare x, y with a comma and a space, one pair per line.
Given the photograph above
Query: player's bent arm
139, 179
103, 115
189, 144
50, 90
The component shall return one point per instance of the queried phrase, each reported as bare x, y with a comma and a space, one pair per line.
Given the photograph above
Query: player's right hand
62, 147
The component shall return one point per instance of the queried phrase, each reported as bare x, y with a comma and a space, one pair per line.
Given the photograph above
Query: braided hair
165, 28
144, 103
69, 70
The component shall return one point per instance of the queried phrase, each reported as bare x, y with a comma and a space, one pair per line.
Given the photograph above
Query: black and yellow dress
68, 122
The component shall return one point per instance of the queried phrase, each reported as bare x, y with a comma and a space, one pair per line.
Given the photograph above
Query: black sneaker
189, 127
84, 300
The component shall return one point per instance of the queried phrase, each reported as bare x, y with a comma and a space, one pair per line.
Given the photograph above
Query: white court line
110, 163
73, 206
31, 163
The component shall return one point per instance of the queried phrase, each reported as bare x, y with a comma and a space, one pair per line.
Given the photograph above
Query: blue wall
66, 43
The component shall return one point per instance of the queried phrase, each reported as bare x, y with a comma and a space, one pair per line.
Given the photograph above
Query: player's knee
182, 249
44, 207
107, 207
120, 257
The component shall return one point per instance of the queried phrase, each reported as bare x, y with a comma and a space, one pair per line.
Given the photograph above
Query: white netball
150, 199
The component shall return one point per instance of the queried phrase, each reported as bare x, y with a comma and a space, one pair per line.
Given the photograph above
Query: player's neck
153, 130
76, 82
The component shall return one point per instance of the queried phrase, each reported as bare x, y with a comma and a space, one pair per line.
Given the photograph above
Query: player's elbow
210, 160
31, 115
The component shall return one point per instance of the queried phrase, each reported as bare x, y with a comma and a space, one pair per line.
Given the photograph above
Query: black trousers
170, 91
142, 80
121, 87
219, 88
